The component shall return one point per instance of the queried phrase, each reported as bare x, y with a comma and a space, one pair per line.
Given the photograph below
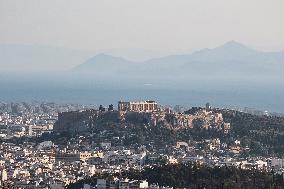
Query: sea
266, 94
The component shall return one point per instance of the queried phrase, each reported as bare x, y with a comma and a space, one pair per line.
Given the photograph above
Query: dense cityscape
144, 94
47, 145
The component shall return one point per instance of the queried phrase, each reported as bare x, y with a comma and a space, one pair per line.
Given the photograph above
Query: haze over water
258, 93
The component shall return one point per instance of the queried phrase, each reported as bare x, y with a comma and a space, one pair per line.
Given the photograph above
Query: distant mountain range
230, 58
49, 58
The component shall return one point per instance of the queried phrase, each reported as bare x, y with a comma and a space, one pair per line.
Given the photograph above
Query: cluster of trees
264, 135
198, 176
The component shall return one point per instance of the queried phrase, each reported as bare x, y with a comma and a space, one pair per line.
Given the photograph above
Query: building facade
142, 106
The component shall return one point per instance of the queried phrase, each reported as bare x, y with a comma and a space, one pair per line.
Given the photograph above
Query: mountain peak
235, 49
233, 44
102, 61
102, 55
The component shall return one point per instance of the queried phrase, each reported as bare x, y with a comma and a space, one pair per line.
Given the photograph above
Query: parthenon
141, 106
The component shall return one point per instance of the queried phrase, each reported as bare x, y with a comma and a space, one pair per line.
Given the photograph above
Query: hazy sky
169, 25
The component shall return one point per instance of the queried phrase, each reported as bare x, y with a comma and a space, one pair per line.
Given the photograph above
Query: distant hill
49, 58
135, 54
40, 58
230, 58
103, 62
